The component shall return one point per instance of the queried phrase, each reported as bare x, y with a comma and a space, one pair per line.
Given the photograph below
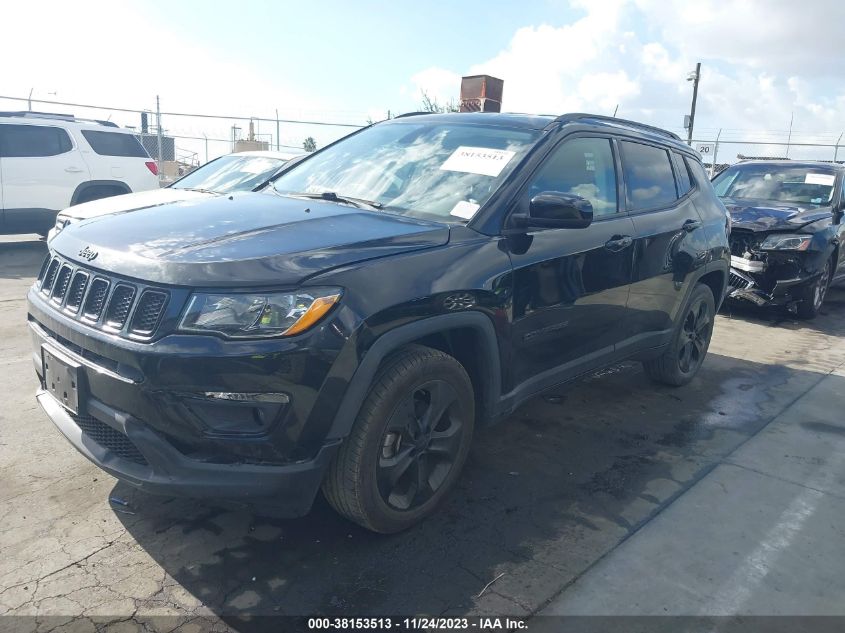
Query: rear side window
582, 167
697, 172
684, 177
649, 181
33, 140
114, 144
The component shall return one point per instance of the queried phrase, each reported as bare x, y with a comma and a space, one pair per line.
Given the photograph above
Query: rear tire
812, 295
408, 444
681, 361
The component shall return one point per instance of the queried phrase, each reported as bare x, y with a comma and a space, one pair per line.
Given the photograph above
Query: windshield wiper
331, 196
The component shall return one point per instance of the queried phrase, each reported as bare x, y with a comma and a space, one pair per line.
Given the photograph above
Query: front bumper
156, 467
141, 415
764, 284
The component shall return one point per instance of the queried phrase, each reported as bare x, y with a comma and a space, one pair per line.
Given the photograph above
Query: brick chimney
481, 93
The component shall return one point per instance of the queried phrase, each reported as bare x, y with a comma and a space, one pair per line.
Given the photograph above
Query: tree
431, 105
309, 144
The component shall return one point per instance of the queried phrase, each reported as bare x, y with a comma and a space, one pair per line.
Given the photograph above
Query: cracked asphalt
545, 497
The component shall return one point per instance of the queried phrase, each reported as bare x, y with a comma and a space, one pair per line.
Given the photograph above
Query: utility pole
836, 149
206, 146
158, 132
277, 129
693, 77
29, 100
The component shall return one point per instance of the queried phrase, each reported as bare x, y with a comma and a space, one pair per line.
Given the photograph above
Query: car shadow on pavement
544, 495
21, 259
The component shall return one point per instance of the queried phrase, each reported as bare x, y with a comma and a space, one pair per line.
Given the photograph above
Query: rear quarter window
696, 170
29, 141
115, 144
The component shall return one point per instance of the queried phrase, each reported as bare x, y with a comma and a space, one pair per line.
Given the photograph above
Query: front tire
408, 444
683, 358
813, 295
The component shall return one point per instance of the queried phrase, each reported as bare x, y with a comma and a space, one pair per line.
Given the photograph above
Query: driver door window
582, 167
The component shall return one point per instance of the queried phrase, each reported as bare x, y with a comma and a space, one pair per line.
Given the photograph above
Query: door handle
73, 170
618, 243
691, 225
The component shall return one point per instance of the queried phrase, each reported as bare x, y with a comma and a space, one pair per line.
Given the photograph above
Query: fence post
715, 154
158, 131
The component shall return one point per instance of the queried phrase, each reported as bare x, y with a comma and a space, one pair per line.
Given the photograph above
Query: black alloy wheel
420, 445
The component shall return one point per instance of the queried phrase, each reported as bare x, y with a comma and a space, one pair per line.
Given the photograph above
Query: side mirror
556, 210
838, 212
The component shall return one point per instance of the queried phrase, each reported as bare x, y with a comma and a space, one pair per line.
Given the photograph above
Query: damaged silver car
786, 231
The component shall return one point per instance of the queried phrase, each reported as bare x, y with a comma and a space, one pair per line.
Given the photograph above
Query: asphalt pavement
609, 487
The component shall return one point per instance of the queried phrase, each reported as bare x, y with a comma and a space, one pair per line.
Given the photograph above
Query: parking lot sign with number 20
705, 149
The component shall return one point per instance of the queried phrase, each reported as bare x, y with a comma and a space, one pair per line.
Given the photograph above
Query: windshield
429, 170
809, 185
231, 173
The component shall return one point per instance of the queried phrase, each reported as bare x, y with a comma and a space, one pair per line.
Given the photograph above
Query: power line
201, 116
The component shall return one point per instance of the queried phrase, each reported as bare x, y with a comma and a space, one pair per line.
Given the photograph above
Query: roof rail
576, 116
29, 114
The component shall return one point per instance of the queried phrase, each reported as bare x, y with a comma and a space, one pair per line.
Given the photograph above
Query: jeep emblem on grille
88, 254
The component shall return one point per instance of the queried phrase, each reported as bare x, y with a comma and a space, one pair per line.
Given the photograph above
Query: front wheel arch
489, 376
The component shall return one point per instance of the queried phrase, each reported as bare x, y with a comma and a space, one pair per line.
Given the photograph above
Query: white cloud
133, 56
439, 84
763, 61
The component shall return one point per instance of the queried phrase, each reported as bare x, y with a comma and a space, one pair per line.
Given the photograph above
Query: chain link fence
187, 140
191, 139
718, 154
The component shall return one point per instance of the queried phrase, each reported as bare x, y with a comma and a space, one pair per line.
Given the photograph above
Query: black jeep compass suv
350, 326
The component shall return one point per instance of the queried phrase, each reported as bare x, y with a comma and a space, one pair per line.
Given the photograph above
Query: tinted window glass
430, 169
649, 181
231, 173
684, 177
778, 181
583, 167
697, 172
33, 140
115, 144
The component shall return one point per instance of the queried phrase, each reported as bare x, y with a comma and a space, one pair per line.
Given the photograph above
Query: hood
131, 202
771, 215
242, 239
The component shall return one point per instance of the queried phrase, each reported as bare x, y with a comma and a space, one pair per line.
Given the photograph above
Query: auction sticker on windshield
478, 160
464, 209
819, 179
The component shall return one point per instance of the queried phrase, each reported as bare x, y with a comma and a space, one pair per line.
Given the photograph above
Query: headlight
258, 314
783, 242
61, 222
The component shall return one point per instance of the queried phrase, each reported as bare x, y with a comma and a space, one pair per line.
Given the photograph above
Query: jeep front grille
77, 291
60, 286
149, 309
96, 299
129, 309
119, 305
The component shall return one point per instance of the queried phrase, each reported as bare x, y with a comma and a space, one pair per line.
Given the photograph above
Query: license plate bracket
63, 378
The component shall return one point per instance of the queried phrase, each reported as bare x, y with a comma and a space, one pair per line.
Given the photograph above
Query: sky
764, 62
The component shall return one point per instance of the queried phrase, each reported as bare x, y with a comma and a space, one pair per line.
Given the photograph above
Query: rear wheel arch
717, 281
88, 191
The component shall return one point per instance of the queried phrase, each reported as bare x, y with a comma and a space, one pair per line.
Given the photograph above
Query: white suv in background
51, 161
